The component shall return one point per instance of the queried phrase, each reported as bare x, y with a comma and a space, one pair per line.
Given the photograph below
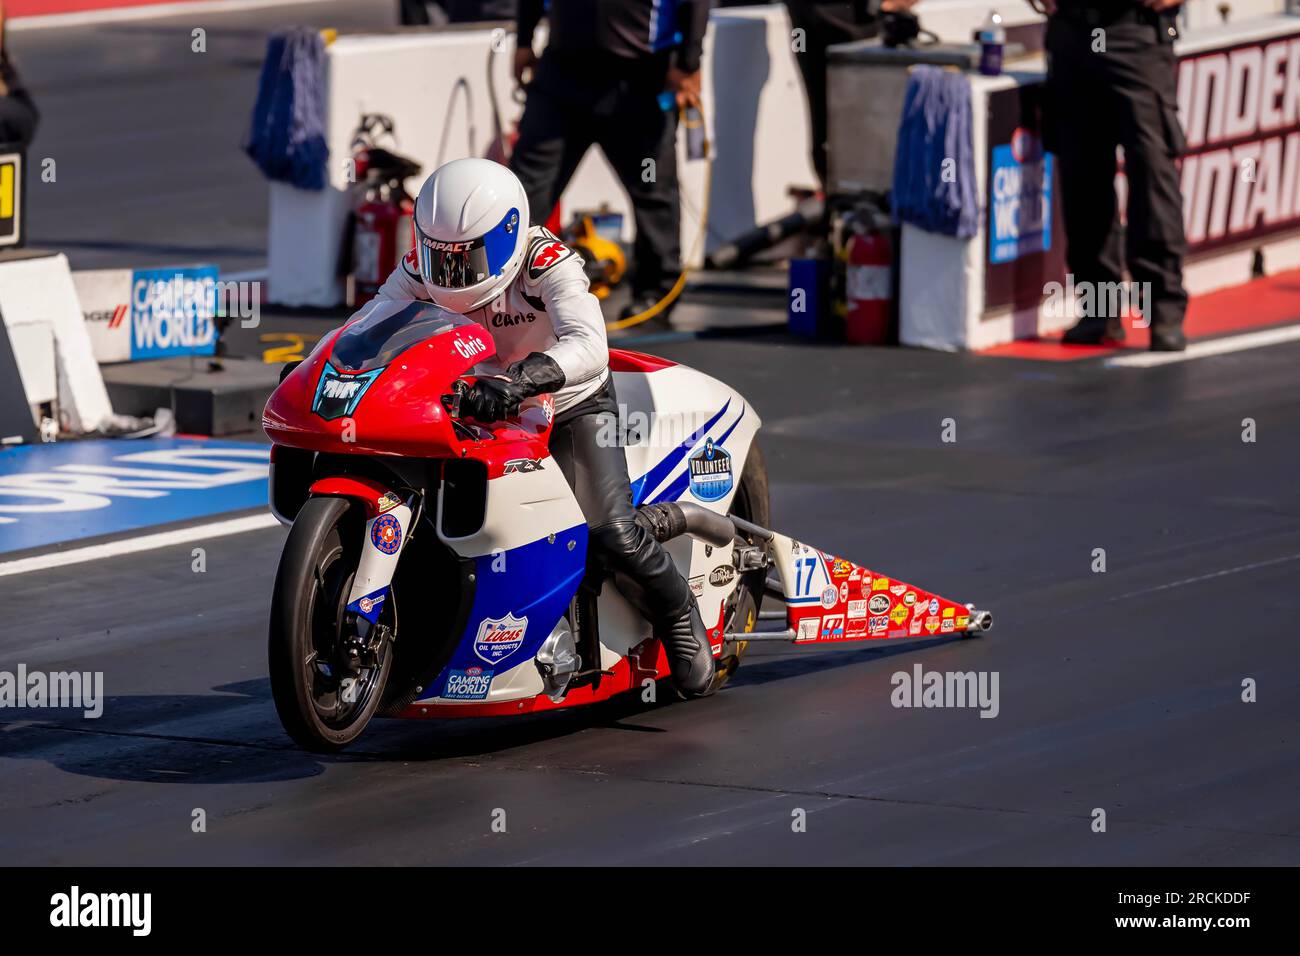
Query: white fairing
668, 418
661, 412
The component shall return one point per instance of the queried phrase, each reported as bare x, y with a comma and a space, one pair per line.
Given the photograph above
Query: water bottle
992, 39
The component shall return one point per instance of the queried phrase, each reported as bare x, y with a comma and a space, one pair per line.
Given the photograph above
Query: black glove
492, 399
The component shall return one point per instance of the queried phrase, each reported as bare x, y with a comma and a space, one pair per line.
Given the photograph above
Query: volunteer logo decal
710, 472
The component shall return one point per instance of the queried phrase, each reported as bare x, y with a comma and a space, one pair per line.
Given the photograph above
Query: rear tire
751, 503
322, 705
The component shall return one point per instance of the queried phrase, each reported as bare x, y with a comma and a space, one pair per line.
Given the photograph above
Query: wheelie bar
828, 599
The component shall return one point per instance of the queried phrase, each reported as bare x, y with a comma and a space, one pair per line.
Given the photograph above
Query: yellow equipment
603, 258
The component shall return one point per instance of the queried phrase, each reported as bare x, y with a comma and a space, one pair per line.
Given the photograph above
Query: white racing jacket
548, 308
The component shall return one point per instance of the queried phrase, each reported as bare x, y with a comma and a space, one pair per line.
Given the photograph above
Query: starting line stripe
146, 542
1195, 350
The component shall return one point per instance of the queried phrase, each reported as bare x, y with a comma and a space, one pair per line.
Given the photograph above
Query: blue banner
172, 311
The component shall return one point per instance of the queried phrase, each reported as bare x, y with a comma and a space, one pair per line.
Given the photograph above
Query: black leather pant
1124, 95
575, 102
596, 470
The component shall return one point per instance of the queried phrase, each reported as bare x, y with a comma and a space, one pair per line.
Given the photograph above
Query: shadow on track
232, 736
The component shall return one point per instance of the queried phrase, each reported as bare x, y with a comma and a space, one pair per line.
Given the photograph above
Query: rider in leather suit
475, 255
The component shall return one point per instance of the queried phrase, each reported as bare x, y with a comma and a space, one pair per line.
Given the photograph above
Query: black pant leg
823, 24
555, 132
596, 469
1083, 136
635, 129
1155, 243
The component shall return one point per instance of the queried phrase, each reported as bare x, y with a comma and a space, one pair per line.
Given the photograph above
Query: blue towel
286, 136
936, 126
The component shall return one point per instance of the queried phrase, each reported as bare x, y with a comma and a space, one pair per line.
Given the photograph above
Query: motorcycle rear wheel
323, 703
752, 503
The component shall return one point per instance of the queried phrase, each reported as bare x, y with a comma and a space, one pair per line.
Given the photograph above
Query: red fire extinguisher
383, 217
383, 235
867, 282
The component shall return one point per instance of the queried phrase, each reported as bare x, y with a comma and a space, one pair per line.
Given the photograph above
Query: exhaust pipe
670, 519
980, 621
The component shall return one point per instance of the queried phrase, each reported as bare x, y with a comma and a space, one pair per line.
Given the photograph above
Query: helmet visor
458, 265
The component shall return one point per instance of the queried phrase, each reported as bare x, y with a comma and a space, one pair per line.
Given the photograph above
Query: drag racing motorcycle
437, 566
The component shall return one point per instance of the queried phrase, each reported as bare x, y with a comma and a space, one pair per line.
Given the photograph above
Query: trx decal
520, 465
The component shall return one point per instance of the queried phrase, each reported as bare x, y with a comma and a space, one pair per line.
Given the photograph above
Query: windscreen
386, 329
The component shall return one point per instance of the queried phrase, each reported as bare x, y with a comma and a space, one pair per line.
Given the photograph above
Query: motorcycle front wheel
328, 666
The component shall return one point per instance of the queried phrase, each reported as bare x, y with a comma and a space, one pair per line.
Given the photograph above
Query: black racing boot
1095, 331
690, 658
1168, 339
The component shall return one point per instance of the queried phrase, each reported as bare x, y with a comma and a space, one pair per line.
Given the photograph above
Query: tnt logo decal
710, 472
386, 534
499, 637
338, 395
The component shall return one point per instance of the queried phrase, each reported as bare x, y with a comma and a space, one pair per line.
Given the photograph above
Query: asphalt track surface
1118, 690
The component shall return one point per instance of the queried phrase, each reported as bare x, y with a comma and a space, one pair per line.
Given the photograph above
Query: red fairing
870, 606
621, 360
376, 497
401, 413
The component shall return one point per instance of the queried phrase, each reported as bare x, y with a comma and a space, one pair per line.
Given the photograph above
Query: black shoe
643, 302
690, 658
1168, 340
1094, 332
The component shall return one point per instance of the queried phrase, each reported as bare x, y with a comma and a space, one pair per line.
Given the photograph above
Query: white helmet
471, 227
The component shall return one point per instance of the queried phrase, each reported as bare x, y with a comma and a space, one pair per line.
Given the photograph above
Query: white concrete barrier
37, 296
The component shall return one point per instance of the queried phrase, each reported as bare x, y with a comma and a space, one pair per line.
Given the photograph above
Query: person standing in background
1111, 81
18, 115
600, 80
825, 23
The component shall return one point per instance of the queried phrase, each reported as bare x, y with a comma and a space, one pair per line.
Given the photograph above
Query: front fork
390, 516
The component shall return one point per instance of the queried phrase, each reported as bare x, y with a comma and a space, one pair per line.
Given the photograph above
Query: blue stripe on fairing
651, 479
534, 581
674, 490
